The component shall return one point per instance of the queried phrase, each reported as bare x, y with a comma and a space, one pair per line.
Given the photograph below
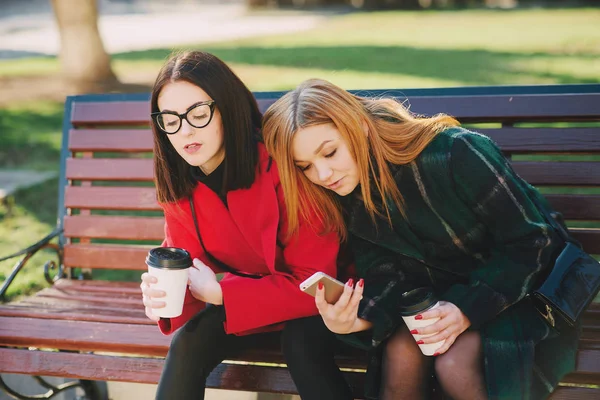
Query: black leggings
201, 344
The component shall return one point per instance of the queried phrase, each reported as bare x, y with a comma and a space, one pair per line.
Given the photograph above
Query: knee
306, 338
446, 364
201, 333
400, 345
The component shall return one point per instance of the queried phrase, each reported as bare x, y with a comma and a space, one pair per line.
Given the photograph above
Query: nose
186, 129
324, 172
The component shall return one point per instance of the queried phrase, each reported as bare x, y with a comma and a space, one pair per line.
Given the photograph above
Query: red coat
245, 236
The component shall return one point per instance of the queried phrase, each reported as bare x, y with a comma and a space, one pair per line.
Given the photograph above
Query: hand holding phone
333, 287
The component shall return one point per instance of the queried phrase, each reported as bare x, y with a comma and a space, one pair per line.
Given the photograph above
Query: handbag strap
213, 259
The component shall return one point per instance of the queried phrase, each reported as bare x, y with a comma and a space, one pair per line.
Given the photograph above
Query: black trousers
201, 344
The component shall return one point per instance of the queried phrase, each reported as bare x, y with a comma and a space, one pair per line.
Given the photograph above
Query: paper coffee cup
413, 303
170, 267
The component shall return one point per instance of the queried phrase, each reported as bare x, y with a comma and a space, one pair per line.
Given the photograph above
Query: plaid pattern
469, 214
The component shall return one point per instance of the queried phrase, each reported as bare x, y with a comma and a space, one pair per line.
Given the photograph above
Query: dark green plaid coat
472, 218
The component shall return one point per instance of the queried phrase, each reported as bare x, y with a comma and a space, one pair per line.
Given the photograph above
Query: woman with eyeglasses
213, 173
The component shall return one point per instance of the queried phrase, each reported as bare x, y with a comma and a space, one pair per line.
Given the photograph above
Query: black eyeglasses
198, 115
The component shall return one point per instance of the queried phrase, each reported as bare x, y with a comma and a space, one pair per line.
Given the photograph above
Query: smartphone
333, 287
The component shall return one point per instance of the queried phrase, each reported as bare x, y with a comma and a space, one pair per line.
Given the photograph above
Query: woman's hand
452, 322
203, 284
149, 294
342, 317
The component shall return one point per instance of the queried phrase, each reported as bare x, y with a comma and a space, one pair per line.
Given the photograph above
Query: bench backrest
107, 201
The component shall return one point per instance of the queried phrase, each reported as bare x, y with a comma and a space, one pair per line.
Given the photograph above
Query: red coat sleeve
177, 236
253, 303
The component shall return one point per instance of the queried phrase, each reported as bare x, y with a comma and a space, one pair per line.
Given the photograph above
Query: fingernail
361, 282
320, 285
350, 282
420, 342
419, 316
414, 332
436, 354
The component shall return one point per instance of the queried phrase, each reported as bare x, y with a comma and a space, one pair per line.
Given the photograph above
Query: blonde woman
424, 202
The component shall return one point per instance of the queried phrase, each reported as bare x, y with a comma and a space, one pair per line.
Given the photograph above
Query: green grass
360, 50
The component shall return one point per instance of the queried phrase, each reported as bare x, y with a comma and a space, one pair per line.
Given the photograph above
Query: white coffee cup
413, 303
169, 265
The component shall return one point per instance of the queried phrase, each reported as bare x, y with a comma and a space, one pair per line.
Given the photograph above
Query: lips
335, 184
192, 147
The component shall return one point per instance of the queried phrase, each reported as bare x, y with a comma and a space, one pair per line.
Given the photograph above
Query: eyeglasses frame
210, 103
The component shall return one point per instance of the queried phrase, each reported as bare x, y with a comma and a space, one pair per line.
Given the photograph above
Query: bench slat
111, 113
535, 172
74, 311
112, 198
551, 140
502, 108
84, 336
573, 206
111, 140
561, 173
110, 169
589, 238
114, 227
475, 108
512, 140
574, 393
106, 256
576, 206
98, 286
147, 370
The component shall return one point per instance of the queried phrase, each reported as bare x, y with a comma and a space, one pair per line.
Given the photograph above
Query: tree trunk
85, 63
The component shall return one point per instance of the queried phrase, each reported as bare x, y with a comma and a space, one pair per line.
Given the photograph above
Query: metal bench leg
94, 390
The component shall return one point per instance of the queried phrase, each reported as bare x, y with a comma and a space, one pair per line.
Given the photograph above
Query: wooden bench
109, 218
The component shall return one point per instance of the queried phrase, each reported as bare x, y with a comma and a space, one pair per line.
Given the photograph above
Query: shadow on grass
31, 137
41, 201
469, 66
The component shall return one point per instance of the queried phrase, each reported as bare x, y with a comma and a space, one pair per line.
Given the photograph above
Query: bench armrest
29, 252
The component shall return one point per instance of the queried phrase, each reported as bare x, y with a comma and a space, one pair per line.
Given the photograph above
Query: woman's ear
365, 127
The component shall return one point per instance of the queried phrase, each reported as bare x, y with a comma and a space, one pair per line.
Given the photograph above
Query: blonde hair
394, 136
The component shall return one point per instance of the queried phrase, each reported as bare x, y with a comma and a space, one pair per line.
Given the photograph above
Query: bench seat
106, 321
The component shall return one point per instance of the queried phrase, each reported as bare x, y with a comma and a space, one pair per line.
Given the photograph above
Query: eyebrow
188, 109
317, 150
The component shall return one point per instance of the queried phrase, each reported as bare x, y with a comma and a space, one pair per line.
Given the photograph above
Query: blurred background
53, 48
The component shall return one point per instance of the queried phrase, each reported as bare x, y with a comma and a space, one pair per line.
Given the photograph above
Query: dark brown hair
240, 116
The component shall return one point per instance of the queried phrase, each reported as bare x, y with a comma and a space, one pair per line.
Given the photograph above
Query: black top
214, 180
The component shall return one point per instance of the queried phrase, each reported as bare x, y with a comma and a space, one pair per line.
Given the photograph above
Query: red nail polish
419, 316
414, 332
436, 354
320, 285
350, 282
361, 282
420, 342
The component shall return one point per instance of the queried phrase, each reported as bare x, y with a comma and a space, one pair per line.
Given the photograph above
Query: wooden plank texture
545, 140
110, 169
112, 198
147, 370
512, 140
589, 238
106, 256
113, 113
561, 173
535, 172
111, 140
575, 393
115, 227
576, 206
